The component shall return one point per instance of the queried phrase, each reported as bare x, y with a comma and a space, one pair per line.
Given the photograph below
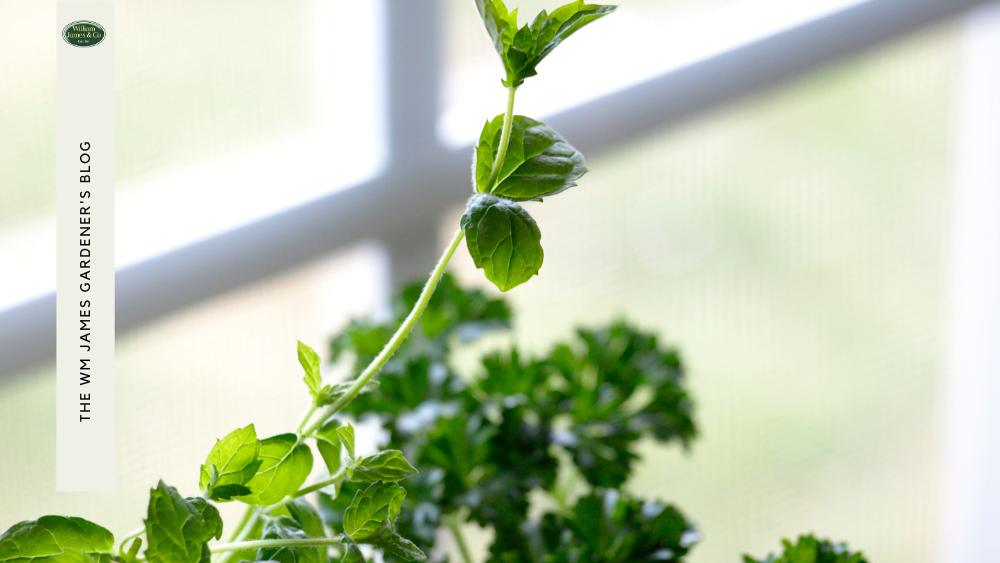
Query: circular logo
83, 33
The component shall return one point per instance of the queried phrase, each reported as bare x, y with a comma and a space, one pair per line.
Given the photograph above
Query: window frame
401, 205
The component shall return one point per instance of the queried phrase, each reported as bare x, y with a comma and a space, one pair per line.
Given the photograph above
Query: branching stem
309, 423
397, 338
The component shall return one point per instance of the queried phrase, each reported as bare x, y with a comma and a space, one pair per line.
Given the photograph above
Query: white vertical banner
85, 273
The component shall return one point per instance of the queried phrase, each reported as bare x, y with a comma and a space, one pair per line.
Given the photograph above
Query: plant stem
508, 122
248, 522
397, 338
129, 536
456, 532
279, 542
305, 428
335, 478
305, 420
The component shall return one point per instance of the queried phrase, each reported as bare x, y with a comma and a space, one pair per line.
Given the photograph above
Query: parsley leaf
503, 240
538, 163
810, 549
56, 538
177, 528
605, 525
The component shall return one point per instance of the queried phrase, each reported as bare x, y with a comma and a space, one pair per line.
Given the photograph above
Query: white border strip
971, 496
85, 246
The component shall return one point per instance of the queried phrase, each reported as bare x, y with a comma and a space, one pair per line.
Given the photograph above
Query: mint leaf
287, 528
328, 394
306, 517
373, 508
398, 546
56, 538
328, 443
346, 433
521, 49
538, 163
501, 24
230, 464
387, 465
353, 555
178, 529
810, 549
309, 360
284, 467
503, 240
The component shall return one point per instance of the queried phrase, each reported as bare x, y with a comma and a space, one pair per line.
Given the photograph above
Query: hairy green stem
397, 338
455, 526
508, 122
279, 542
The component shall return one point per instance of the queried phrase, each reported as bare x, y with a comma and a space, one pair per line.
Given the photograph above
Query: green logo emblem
83, 33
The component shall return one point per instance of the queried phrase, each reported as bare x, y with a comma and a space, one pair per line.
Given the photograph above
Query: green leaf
503, 240
373, 508
309, 360
501, 24
538, 163
605, 525
328, 444
810, 549
618, 384
353, 555
56, 538
346, 433
178, 529
284, 467
328, 394
398, 546
286, 528
230, 464
306, 516
387, 465
522, 49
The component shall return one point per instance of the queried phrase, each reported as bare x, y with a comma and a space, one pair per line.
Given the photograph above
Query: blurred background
796, 193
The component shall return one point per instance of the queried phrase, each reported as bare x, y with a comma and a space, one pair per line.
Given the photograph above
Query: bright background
793, 244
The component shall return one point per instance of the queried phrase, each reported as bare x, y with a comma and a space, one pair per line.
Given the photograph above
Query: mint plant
535, 448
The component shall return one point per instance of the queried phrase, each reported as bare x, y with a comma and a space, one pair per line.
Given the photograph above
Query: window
793, 246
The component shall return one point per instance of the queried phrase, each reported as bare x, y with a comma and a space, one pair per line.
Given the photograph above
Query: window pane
184, 381
643, 39
791, 245
245, 116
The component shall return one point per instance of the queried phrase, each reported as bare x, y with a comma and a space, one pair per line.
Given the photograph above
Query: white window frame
401, 205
